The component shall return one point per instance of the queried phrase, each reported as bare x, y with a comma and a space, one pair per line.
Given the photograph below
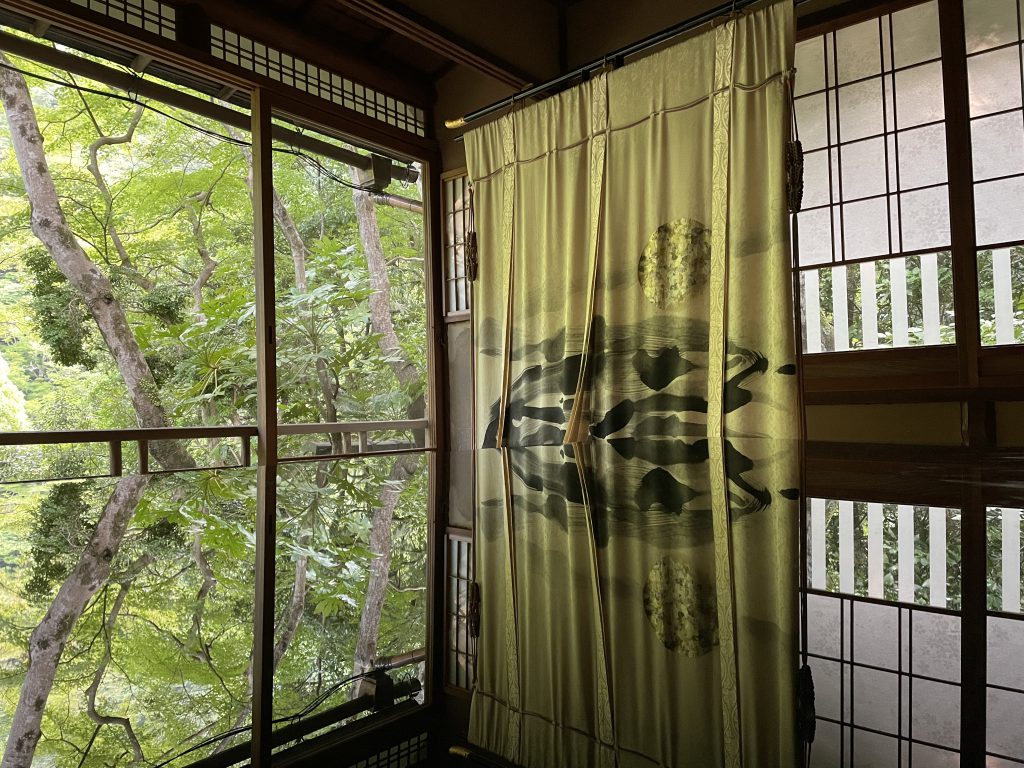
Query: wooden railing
356, 437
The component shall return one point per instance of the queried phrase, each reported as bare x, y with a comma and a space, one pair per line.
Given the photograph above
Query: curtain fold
635, 365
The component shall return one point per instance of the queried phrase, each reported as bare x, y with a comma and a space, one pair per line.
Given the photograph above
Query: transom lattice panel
150, 15
297, 73
407, 753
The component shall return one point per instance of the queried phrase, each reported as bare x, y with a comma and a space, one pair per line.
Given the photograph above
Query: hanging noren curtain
636, 400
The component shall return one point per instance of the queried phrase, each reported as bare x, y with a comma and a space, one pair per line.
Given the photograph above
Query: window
912, 612
132, 381
458, 225
910, 260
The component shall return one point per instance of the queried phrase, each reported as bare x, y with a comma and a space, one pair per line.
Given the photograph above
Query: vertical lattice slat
869, 304
817, 528
905, 552
1011, 560
930, 297
1002, 286
840, 312
876, 571
900, 315
812, 311
846, 571
937, 556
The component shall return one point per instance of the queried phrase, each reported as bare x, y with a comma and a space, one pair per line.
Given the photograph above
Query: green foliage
60, 531
181, 266
13, 415
167, 303
60, 316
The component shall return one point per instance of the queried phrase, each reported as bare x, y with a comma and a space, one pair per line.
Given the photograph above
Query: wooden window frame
965, 370
270, 100
972, 480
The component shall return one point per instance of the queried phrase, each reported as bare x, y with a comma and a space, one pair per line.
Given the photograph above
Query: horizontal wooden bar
354, 455
352, 427
58, 437
297, 730
1000, 363
913, 474
853, 598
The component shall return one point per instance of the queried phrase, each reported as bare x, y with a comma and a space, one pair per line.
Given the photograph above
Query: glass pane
997, 145
919, 95
825, 753
936, 645
1005, 736
158, 209
990, 23
922, 156
858, 51
889, 303
816, 236
916, 34
351, 303
823, 625
1005, 651
810, 67
1001, 296
860, 110
930, 757
997, 212
871, 749
864, 169
161, 631
994, 79
925, 218
899, 552
826, 688
876, 635
865, 228
811, 121
876, 698
936, 713
816, 179
351, 576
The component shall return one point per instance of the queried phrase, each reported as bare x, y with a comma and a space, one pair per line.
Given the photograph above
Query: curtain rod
615, 58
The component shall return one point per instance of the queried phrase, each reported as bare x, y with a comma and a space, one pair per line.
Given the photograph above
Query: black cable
330, 691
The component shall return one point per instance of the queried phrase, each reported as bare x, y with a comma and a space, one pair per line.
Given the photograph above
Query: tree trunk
51, 228
380, 299
46, 644
408, 377
380, 570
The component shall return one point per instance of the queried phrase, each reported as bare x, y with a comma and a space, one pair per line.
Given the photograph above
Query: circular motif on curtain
676, 262
681, 610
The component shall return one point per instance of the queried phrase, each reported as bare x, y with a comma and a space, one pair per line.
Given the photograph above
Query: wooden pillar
266, 425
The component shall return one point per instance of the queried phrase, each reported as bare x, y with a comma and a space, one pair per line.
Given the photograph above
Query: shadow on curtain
635, 389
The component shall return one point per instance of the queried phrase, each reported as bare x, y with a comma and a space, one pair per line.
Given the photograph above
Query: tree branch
108, 628
93, 164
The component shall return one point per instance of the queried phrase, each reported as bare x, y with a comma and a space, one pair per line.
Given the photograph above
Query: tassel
794, 175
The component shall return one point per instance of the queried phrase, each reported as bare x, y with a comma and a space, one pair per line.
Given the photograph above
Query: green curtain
635, 387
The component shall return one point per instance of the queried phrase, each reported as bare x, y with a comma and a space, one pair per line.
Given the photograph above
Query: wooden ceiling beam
436, 38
